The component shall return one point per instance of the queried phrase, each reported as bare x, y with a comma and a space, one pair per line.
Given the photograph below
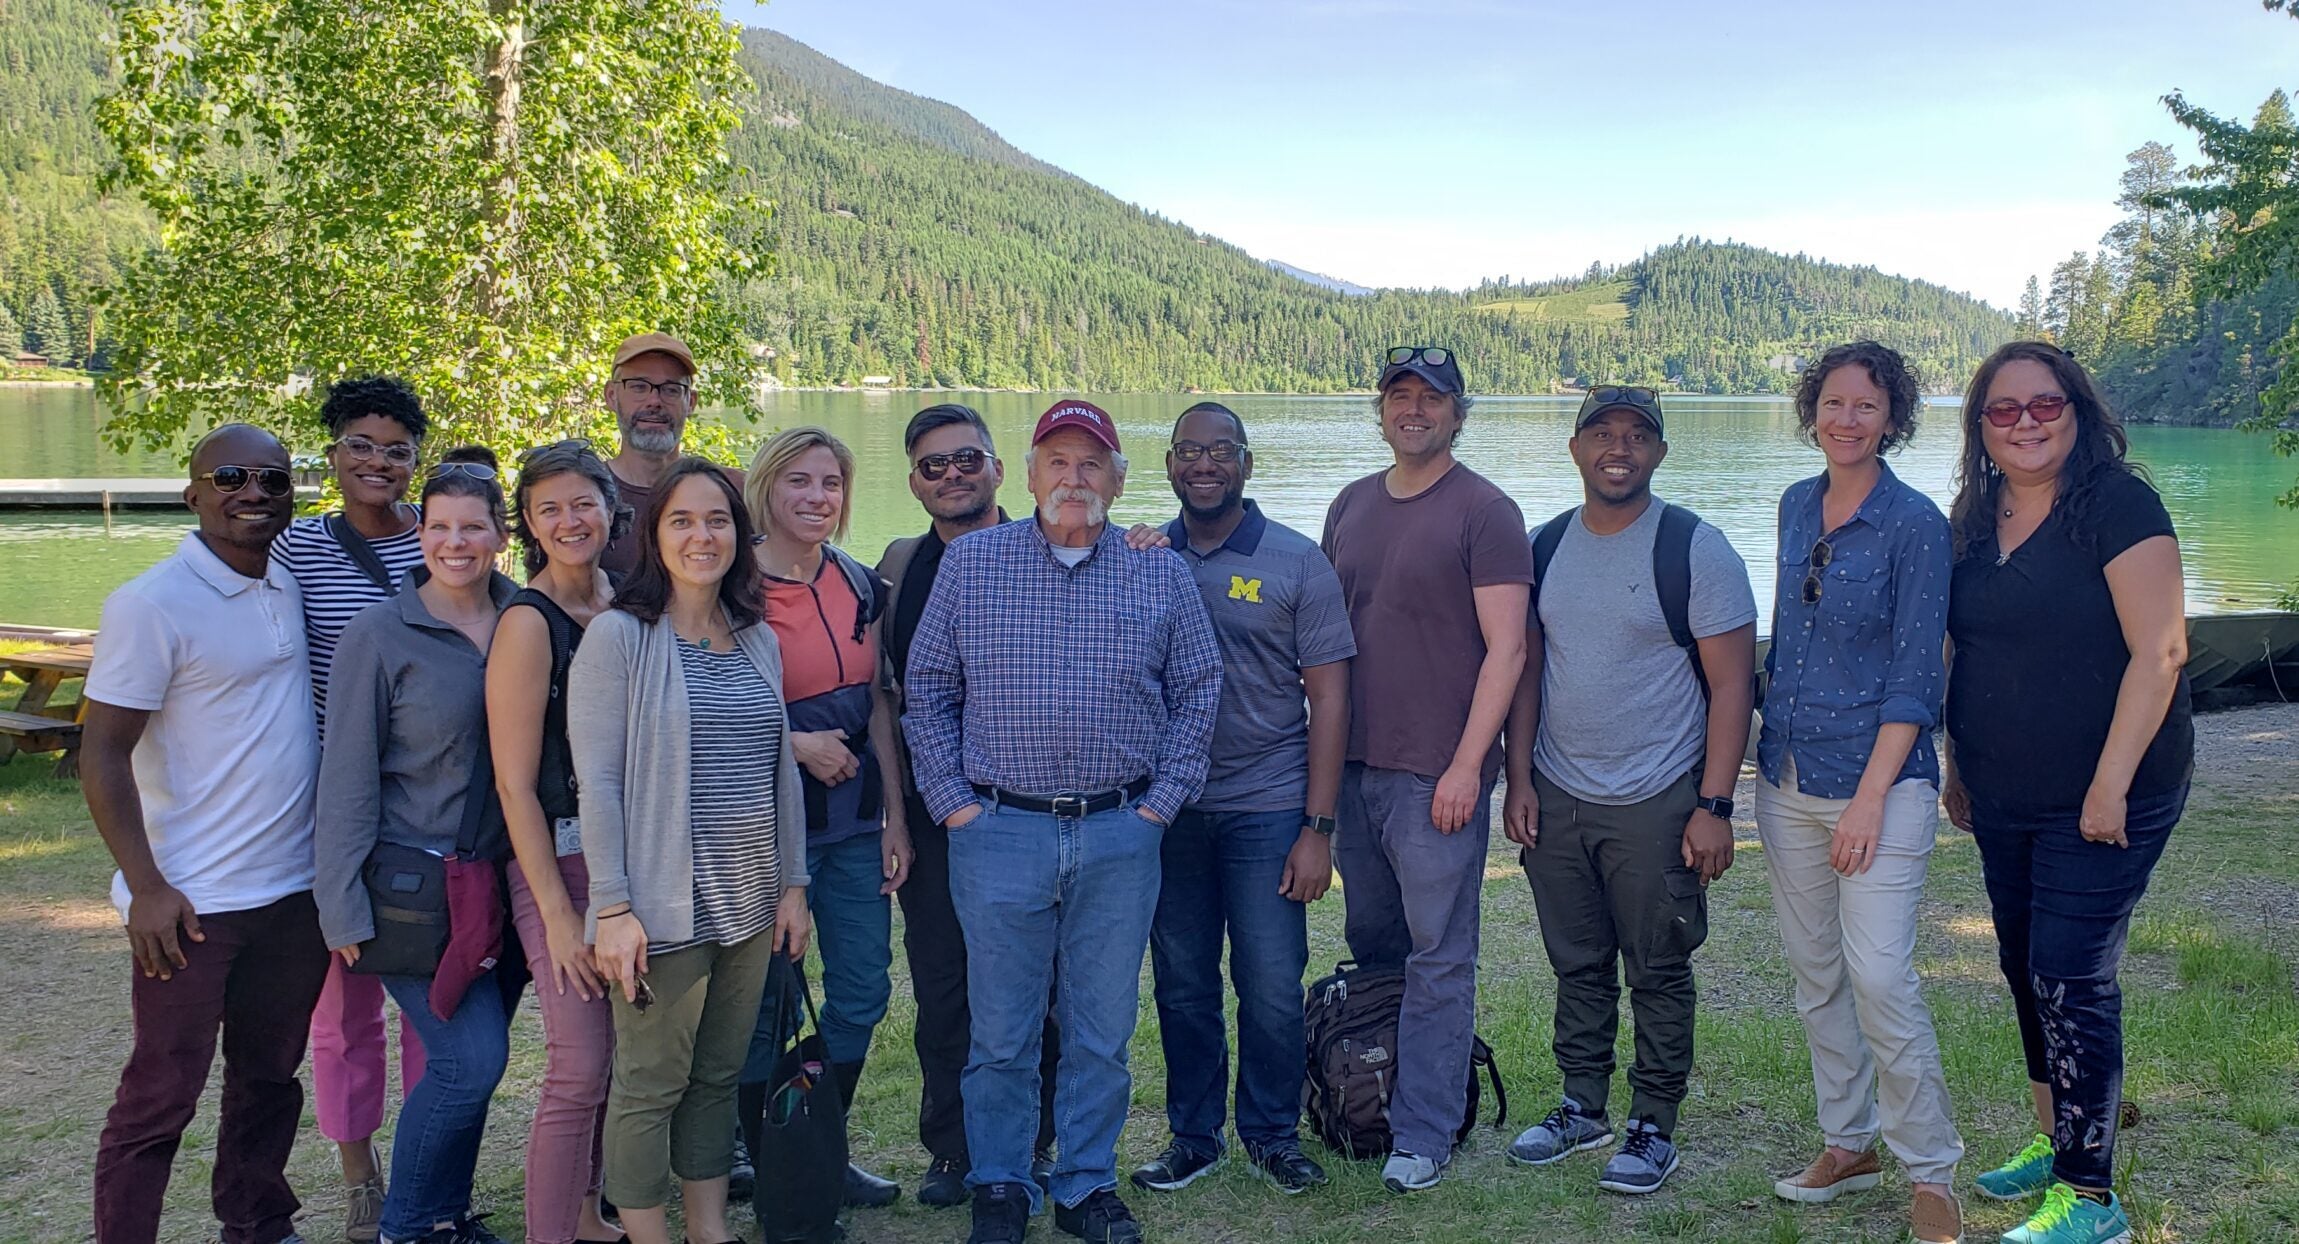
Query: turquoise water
1728, 458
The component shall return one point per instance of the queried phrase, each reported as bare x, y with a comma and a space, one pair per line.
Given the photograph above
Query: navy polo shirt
1277, 609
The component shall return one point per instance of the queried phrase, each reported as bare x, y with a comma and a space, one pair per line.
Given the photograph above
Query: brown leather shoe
1830, 1177
1936, 1219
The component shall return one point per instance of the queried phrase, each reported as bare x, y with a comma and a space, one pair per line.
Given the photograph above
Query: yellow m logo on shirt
1242, 588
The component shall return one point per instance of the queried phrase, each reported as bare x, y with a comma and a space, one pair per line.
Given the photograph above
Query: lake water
1728, 458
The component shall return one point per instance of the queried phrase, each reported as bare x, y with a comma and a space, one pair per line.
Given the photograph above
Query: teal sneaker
2065, 1218
2028, 1173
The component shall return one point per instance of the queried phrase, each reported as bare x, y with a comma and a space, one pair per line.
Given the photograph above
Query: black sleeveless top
555, 774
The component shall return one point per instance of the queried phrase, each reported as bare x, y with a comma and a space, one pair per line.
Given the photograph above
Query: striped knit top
335, 589
731, 801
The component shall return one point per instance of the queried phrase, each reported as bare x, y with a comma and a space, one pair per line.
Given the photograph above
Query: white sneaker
1410, 1172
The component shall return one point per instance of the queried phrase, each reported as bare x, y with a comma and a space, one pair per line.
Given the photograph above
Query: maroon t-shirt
1409, 569
622, 557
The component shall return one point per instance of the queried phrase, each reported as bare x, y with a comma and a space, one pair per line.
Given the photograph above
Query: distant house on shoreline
29, 361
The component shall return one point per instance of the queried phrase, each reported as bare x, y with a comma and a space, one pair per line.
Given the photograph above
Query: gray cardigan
406, 722
628, 729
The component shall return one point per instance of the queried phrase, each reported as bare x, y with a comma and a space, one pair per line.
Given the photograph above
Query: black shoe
742, 1179
867, 1191
1001, 1215
1042, 1171
1100, 1219
945, 1184
1177, 1168
1288, 1168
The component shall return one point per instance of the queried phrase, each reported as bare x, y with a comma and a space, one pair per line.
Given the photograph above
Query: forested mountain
913, 243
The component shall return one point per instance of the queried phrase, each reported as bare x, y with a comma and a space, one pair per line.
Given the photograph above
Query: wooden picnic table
38, 723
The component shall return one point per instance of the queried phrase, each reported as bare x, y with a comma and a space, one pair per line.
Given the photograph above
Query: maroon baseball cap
1085, 416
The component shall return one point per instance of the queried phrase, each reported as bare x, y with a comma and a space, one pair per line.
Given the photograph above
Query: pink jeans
578, 1048
347, 1048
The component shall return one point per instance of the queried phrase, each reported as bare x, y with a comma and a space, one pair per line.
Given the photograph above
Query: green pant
671, 1105
1611, 887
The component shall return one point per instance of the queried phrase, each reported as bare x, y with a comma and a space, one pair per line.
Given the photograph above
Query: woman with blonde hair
823, 606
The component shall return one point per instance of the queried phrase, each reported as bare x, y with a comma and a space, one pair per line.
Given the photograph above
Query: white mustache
1096, 508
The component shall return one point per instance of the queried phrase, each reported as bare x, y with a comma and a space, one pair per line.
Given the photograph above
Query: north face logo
1373, 1055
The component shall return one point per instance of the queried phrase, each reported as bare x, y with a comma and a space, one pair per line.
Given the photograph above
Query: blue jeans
1042, 896
1222, 871
2062, 907
435, 1147
854, 926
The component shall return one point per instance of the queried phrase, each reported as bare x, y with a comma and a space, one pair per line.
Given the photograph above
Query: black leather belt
1066, 805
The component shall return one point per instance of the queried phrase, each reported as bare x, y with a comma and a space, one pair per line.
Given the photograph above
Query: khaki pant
1851, 942
670, 1107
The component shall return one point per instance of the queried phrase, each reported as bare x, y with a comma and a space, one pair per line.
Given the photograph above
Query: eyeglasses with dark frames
1625, 395
1822, 554
1434, 356
1219, 451
968, 461
273, 481
672, 390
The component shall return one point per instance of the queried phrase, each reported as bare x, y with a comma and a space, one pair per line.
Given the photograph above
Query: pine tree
11, 335
44, 329
2031, 323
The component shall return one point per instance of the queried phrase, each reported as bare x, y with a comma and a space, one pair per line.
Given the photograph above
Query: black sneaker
945, 1184
1289, 1168
473, 1230
1001, 1215
1099, 1219
1177, 1168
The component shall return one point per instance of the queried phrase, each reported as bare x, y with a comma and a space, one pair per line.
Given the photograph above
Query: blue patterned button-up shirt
1869, 651
1046, 679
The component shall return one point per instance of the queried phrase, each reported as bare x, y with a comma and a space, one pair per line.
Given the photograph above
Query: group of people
703, 736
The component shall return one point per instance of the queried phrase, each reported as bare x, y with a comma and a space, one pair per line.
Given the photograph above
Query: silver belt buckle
1073, 806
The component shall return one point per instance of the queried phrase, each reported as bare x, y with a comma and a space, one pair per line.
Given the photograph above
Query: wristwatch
1322, 824
1720, 808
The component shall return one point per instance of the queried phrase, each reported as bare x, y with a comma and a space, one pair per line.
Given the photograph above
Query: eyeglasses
529, 455
968, 461
361, 449
1219, 451
274, 481
672, 390
476, 470
2006, 412
1434, 356
1624, 395
1822, 554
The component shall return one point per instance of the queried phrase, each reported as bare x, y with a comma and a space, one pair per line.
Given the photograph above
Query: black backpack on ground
1351, 1020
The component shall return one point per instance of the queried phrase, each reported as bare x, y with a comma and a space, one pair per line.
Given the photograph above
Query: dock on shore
104, 494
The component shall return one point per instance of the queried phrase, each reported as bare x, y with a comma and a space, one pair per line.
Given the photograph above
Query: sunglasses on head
572, 442
1434, 356
476, 470
2005, 412
1822, 554
274, 481
968, 461
1624, 395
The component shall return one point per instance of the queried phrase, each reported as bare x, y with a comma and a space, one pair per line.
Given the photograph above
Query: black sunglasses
1822, 554
968, 461
1434, 356
1624, 395
274, 481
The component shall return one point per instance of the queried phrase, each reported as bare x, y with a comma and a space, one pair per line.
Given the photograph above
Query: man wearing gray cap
651, 390
1642, 691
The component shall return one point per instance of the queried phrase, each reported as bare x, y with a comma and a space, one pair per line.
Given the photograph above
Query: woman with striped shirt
344, 562
694, 837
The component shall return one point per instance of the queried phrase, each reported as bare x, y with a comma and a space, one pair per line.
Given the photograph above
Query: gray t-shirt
1277, 609
1622, 716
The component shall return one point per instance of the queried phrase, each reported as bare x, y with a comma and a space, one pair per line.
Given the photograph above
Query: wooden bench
31, 732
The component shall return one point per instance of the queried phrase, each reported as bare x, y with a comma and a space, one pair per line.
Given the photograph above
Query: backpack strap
362, 553
1672, 582
1545, 542
480, 836
868, 588
1481, 1055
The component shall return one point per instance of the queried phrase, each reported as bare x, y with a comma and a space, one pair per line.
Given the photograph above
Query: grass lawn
2212, 1021
1597, 304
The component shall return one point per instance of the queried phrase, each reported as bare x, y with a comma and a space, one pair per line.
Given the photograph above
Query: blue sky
1969, 143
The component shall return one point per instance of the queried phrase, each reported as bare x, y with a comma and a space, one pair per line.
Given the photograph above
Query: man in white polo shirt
199, 760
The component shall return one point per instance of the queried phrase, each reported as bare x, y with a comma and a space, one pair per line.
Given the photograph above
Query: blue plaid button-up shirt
1045, 679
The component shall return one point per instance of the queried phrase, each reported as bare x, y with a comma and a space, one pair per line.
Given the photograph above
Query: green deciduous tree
481, 196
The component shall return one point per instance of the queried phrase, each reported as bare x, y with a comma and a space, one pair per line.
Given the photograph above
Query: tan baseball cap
654, 343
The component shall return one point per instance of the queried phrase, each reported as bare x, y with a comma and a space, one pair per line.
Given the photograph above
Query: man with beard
1254, 848
200, 760
1062, 690
955, 474
1638, 746
1435, 568
651, 391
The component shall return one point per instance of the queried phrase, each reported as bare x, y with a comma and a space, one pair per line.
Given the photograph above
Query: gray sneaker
1410, 1172
1645, 1161
1565, 1132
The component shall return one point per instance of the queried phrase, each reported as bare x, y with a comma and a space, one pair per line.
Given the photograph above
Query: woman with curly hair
2071, 745
1849, 803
